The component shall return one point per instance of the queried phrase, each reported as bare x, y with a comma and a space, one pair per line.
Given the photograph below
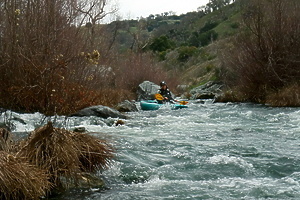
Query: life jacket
166, 93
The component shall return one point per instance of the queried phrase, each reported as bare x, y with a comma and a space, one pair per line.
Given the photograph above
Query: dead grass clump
53, 150
232, 95
65, 154
94, 154
5, 140
21, 180
285, 97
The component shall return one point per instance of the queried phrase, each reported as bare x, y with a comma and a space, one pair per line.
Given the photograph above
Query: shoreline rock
210, 90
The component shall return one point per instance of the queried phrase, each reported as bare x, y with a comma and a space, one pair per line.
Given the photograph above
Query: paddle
160, 98
183, 102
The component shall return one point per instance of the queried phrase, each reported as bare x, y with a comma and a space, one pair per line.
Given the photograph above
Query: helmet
163, 83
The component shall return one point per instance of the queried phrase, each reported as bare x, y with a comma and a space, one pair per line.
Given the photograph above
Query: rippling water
207, 151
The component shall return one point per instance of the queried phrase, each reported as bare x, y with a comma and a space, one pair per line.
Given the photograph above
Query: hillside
188, 44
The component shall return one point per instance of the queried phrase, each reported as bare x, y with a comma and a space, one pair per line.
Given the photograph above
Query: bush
162, 43
287, 96
186, 52
264, 58
202, 39
208, 26
131, 69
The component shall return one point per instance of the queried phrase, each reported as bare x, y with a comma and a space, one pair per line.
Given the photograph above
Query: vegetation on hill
182, 44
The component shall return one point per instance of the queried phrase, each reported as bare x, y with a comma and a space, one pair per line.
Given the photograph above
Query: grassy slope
204, 70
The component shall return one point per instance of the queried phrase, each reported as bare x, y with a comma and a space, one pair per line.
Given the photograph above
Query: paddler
165, 93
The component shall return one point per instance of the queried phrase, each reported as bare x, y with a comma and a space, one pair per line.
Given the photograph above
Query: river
207, 151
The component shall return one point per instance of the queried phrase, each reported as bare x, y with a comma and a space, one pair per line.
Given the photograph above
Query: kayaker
165, 92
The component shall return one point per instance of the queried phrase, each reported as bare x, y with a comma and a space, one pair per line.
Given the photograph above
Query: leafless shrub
265, 55
49, 61
134, 68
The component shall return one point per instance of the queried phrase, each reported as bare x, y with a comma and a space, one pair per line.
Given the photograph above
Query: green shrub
186, 52
161, 43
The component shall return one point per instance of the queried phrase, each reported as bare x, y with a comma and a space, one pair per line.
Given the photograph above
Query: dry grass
65, 153
5, 140
95, 154
233, 95
21, 180
286, 97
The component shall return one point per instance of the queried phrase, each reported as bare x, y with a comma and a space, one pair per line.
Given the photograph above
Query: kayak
154, 105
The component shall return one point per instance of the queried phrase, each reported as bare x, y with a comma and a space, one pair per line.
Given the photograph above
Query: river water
207, 151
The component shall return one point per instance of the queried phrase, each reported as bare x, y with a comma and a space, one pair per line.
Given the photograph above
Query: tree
93, 11
161, 43
214, 5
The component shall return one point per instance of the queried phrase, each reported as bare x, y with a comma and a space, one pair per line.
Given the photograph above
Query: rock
18, 119
79, 129
147, 90
207, 91
83, 181
119, 122
99, 111
126, 106
182, 88
87, 180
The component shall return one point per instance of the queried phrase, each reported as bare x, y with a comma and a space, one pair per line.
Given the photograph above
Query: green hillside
187, 43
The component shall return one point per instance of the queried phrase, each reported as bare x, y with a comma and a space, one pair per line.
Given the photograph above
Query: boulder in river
126, 106
99, 111
147, 90
210, 90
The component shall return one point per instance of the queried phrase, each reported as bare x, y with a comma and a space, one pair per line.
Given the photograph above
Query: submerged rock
119, 122
83, 181
79, 129
99, 111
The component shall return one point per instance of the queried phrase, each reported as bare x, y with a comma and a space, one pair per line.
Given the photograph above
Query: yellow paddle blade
159, 97
183, 102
